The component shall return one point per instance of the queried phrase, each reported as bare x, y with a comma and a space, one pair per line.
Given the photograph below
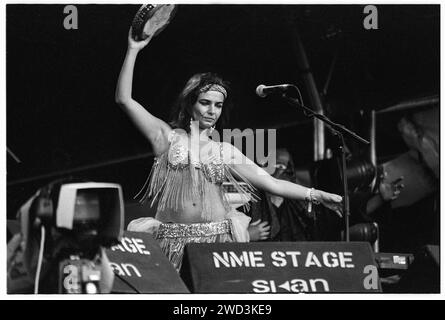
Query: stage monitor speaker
423, 275
280, 267
141, 267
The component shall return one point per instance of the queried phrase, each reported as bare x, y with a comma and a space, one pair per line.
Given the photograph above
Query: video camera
76, 221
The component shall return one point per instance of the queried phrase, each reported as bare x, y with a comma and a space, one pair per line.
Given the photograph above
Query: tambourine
151, 19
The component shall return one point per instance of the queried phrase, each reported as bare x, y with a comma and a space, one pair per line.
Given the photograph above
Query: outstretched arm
153, 128
262, 180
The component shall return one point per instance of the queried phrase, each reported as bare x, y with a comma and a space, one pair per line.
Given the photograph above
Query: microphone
263, 90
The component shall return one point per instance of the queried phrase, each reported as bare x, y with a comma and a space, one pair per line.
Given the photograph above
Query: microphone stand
338, 130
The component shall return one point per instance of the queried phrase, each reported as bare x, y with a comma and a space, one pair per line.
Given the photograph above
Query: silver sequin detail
212, 170
214, 87
178, 154
181, 230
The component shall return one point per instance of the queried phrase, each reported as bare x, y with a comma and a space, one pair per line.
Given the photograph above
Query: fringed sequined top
176, 178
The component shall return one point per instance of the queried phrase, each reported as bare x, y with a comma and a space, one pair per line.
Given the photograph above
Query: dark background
61, 113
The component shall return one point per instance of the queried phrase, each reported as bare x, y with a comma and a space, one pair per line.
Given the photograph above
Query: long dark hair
182, 110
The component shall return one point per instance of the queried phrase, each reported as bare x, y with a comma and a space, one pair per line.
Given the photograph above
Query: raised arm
259, 178
153, 128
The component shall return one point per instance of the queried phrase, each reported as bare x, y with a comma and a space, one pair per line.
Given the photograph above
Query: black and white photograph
201, 149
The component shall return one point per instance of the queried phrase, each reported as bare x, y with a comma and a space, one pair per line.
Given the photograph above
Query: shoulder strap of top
171, 136
221, 152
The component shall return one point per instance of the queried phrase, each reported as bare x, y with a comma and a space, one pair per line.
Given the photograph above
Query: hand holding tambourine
150, 20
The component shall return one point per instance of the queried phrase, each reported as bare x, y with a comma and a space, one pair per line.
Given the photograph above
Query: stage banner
141, 267
280, 267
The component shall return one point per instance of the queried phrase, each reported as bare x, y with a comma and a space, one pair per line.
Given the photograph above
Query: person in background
278, 218
367, 204
369, 207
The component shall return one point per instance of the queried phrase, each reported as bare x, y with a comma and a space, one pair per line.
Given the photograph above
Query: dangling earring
193, 125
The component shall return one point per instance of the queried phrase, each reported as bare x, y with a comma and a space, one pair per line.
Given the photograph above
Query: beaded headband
214, 87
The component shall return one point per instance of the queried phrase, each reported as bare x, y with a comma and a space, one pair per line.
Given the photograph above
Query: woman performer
185, 182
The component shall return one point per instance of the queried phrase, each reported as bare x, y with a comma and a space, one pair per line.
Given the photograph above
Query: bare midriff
191, 211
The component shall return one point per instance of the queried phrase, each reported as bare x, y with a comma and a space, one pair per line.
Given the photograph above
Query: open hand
258, 230
331, 201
